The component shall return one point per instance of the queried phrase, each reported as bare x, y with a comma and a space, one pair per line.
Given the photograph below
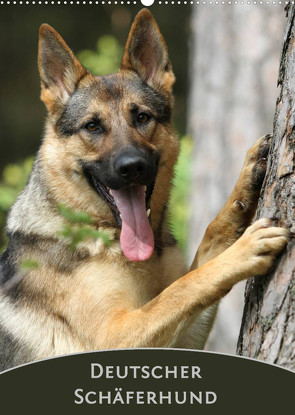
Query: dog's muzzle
126, 182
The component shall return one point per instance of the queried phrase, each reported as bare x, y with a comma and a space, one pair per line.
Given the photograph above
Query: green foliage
179, 209
74, 217
14, 178
28, 265
75, 235
74, 232
105, 59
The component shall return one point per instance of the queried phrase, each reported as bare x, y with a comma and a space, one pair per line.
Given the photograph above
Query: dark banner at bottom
149, 381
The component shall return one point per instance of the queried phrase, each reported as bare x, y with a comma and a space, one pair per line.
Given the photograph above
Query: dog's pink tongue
137, 238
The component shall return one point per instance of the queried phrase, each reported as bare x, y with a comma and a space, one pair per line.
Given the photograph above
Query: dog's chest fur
59, 306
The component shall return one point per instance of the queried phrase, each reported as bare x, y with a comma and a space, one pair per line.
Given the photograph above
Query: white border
132, 2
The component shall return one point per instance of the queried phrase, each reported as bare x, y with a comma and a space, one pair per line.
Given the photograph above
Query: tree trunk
235, 58
268, 325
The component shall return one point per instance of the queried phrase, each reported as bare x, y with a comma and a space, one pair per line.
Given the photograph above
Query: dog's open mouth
130, 207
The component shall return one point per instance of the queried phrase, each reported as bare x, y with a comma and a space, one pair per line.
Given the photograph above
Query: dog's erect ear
59, 68
146, 53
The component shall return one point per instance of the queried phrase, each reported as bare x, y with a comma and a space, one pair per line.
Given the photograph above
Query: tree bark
268, 325
235, 59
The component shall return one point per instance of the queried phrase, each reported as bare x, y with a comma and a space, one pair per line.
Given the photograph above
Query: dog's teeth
110, 192
148, 212
120, 216
145, 188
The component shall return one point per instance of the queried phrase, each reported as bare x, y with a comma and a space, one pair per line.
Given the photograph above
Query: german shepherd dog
109, 150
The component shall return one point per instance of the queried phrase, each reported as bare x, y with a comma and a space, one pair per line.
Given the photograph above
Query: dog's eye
143, 117
92, 126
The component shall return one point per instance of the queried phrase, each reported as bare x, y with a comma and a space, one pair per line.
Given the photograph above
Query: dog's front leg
239, 210
161, 321
226, 228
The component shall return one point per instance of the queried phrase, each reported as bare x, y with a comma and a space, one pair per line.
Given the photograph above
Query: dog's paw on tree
240, 208
248, 187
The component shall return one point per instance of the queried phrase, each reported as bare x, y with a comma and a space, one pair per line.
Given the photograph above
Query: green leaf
178, 207
28, 264
73, 216
16, 175
105, 59
80, 234
108, 45
7, 196
75, 233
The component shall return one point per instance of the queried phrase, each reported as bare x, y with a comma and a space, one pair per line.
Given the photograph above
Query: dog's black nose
132, 167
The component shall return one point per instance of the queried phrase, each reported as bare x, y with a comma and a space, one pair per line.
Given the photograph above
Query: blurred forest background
225, 59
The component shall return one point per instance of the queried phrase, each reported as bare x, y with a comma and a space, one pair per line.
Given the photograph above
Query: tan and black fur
94, 297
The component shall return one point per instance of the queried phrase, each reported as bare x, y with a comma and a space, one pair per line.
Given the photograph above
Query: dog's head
109, 148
